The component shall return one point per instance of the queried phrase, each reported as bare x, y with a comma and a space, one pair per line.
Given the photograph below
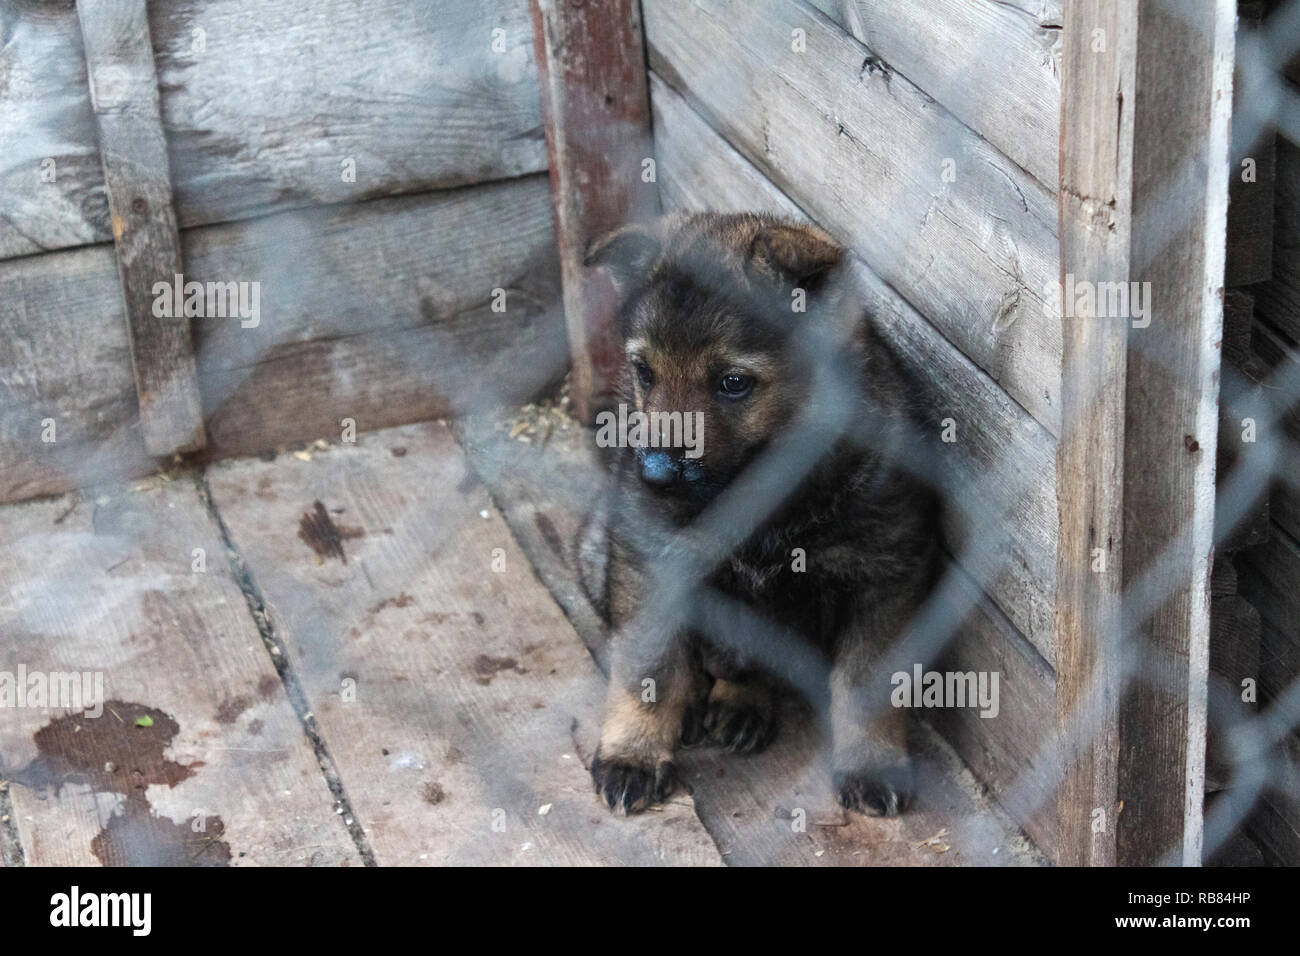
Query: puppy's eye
736, 386
644, 374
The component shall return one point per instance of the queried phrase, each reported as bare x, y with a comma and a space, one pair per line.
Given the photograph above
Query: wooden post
1095, 188
124, 96
591, 64
1146, 102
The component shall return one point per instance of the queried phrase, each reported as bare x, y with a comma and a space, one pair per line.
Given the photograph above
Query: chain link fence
681, 559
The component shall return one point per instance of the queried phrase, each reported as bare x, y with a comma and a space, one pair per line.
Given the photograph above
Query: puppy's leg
656, 689
873, 772
646, 713
741, 715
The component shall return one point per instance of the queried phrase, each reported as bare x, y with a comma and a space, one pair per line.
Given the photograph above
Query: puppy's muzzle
665, 471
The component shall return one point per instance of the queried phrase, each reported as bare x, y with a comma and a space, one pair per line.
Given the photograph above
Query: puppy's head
714, 309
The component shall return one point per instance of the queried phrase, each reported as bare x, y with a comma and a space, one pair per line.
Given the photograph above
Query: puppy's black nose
658, 469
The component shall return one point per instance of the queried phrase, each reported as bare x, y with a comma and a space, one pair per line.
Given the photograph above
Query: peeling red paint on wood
591, 64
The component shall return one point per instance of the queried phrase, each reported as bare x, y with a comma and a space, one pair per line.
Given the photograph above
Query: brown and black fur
707, 298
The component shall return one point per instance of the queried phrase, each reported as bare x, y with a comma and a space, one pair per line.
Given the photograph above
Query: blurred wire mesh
682, 559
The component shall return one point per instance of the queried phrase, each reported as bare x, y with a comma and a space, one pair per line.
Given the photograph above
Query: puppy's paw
693, 725
632, 786
740, 724
884, 790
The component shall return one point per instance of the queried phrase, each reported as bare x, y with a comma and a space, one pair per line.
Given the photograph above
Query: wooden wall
1257, 622
856, 138
921, 133
1268, 572
376, 294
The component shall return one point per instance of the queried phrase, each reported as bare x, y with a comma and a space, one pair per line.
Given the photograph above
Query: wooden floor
376, 653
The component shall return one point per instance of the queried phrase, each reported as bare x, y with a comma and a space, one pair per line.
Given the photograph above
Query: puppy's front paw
741, 726
879, 791
740, 717
693, 725
632, 786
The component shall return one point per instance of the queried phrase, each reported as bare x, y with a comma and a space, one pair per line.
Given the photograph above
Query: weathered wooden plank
1251, 186
548, 491
1284, 499
68, 411
264, 100
458, 703
1279, 839
1275, 819
408, 332
1090, 456
591, 66
965, 235
1009, 752
1279, 665
1136, 462
997, 471
1234, 658
389, 264
224, 774
440, 95
1250, 218
51, 178
1271, 817
384, 378
362, 281
1001, 461
758, 807
1239, 849
1238, 319
1249, 424
11, 852
700, 170
1278, 300
1268, 581
1242, 400
995, 65
1278, 354
124, 97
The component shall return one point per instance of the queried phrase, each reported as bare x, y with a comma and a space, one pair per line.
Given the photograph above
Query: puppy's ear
793, 256
628, 252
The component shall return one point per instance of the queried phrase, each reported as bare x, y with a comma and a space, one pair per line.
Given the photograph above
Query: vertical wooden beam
1095, 220
1184, 110
124, 96
1146, 104
591, 64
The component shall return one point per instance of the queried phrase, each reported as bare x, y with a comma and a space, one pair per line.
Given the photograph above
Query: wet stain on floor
321, 534
122, 752
318, 530
433, 793
231, 708
486, 667
264, 489
402, 600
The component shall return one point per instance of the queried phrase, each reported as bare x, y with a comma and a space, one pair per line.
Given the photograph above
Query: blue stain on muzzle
657, 468
660, 469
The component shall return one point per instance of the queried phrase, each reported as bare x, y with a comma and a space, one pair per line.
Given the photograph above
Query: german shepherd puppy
811, 587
